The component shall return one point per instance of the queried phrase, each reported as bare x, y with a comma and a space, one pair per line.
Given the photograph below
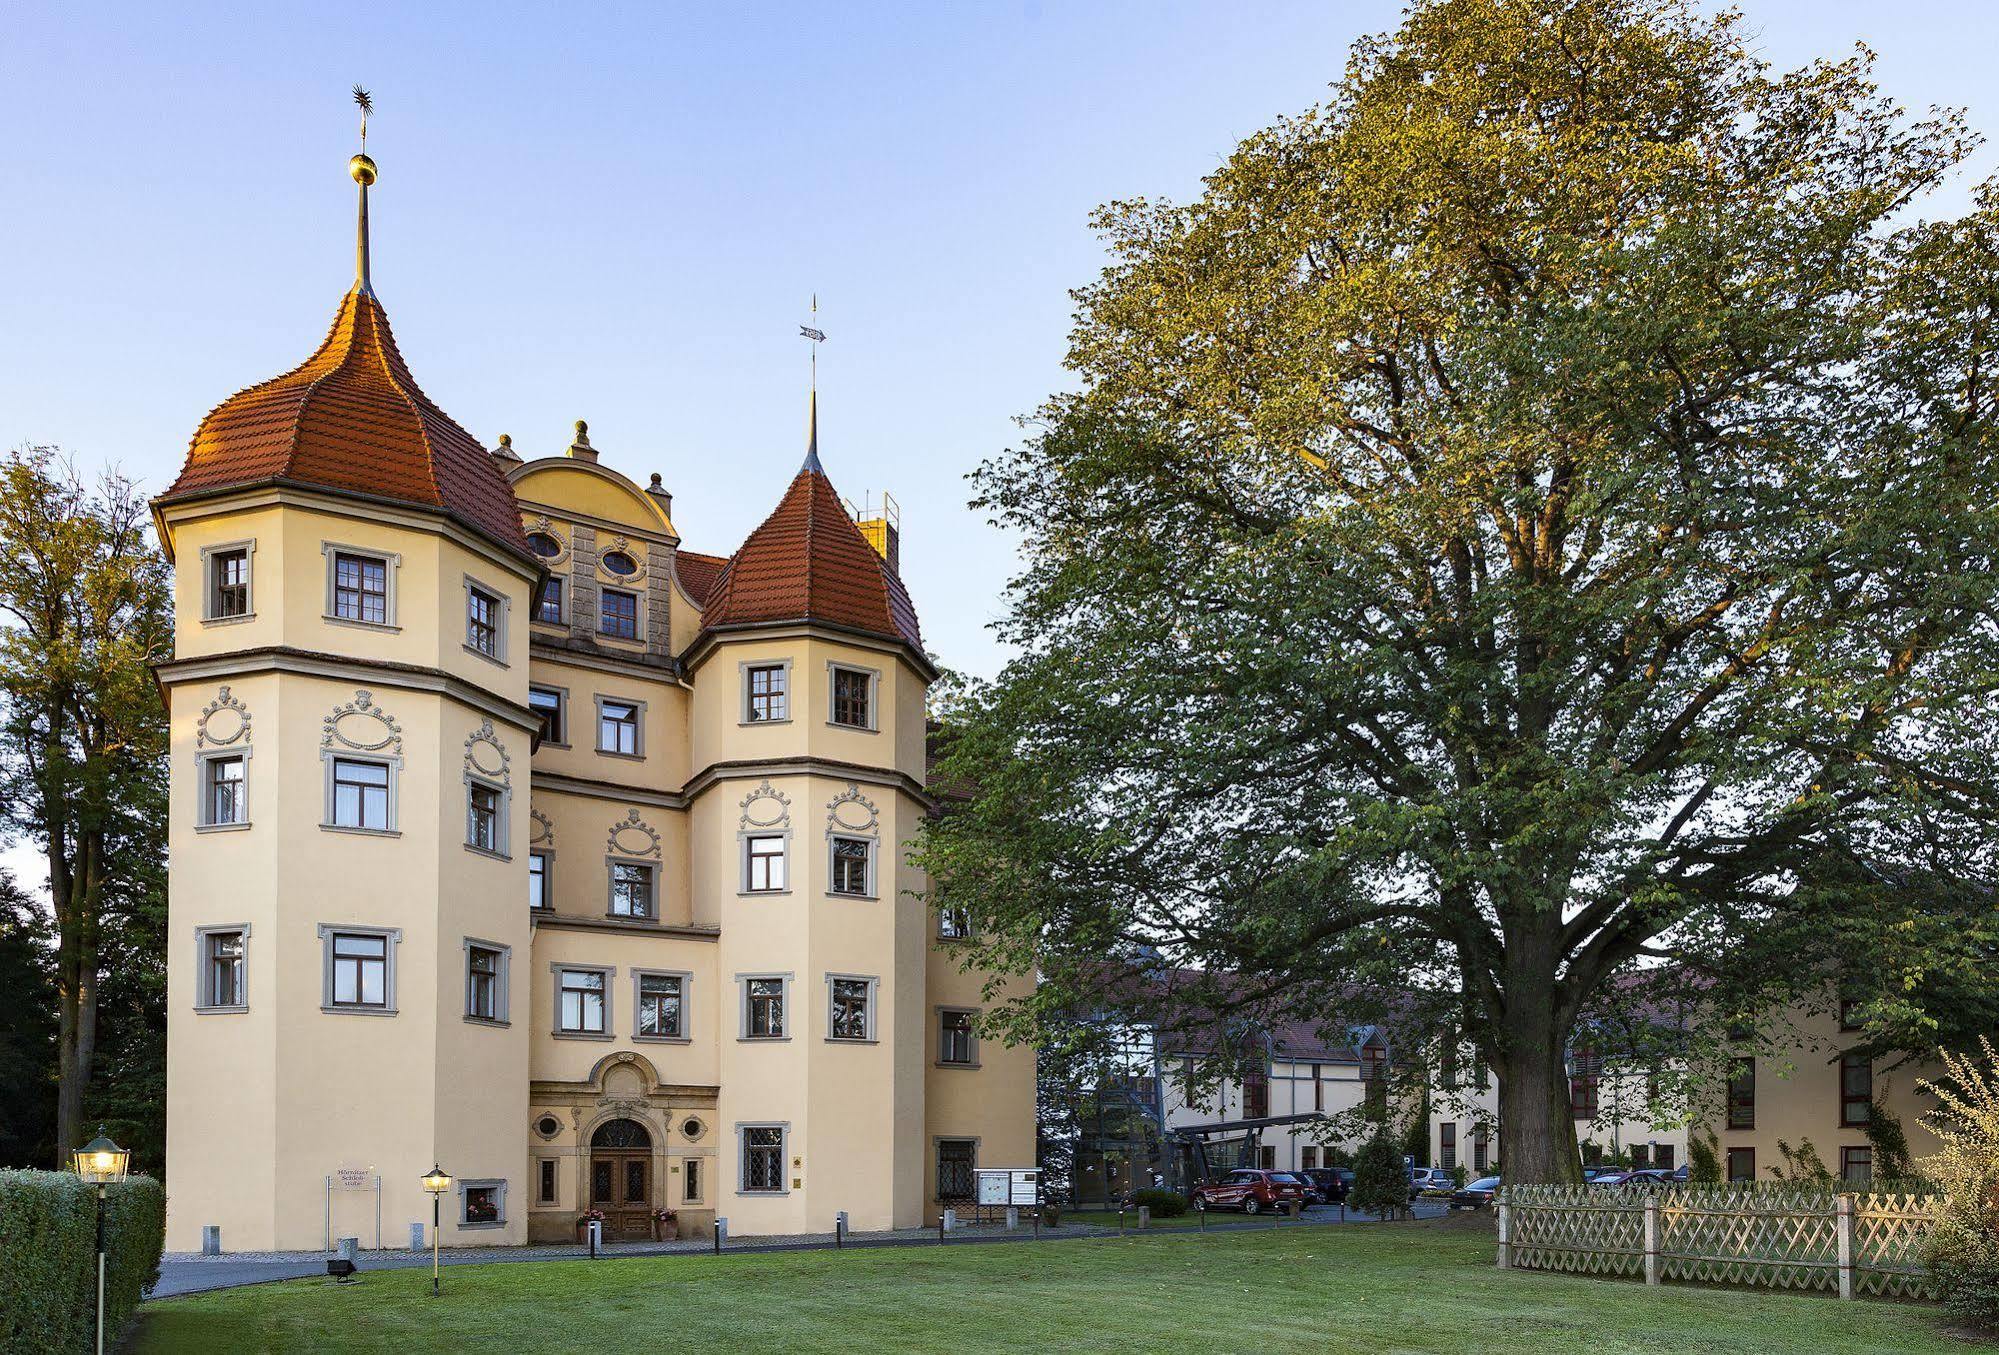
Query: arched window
621, 1134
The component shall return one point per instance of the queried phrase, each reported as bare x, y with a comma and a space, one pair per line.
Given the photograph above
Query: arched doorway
621, 1177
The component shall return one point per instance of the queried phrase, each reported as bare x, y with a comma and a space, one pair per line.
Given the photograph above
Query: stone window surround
502, 611
562, 713
202, 823
548, 1169
498, 1185
874, 677
502, 983
639, 611
610, 972
783, 1152
873, 844
201, 935
652, 865
249, 548
392, 562
743, 687
504, 823
937, 1142
743, 837
784, 978
874, 1009
329, 756
938, 1013
394, 937
638, 730
686, 978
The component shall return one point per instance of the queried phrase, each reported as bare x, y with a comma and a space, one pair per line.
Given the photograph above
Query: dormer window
618, 563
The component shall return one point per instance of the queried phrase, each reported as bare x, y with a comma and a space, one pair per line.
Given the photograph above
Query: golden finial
361, 167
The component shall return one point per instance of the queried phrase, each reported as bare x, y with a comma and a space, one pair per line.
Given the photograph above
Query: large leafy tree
1524, 514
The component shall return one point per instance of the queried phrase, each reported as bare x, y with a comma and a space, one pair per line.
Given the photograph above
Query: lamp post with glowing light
437, 1182
101, 1162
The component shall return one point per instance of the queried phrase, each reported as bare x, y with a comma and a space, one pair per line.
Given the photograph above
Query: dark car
1251, 1190
1332, 1183
1477, 1195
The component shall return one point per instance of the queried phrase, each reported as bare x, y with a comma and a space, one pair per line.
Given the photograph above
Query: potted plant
665, 1225
588, 1217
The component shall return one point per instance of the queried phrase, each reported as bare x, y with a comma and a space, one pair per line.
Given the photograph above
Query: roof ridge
385, 342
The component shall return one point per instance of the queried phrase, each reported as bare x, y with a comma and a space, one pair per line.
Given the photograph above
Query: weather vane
817, 336
366, 103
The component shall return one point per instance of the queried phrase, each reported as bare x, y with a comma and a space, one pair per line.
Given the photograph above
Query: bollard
211, 1239
1144, 1217
1202, 1216
416, 1236
1843, 1226
1012, 1218
721, 1233
350, 1249
596, 1231
1652, 1239
839, 1230
940, 1225
1505, 1235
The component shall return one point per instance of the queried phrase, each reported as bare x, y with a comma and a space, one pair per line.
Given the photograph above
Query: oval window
691, 1128
544, 545
619, 563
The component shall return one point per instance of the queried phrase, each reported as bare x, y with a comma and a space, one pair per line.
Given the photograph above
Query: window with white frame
618, 614
763, 1159
485, 621
763, 863
690, 1189
763, 1008
957, 1041
358, 794
485, 817
766, 694
360, 969
360, 587
548, 601
954, 923
852, 697
223, 980
224, 803
547, 702
851, 1001
539, 870
228, 578
580, 1002
851, 870
486, 981
631, 889
618, 727
662, 1006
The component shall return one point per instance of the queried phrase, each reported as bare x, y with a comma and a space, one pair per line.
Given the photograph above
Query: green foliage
1416, 1138
1164, 1204
1459, 1175
1962, 1249
1703, 1159
1802, 1165
27, 1031
1380, 1180
48, 1258
1336, 1155
1592, 1153
1891, 1145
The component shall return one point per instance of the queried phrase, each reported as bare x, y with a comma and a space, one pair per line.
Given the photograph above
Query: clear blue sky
618, 214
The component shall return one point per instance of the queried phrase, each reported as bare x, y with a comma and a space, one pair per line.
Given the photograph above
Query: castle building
510, 837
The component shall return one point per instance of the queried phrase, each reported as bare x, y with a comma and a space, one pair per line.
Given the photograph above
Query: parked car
1249, 1189
1423, 1179
1332, 1183
1590, 1174
1477, 1195
1313, 1195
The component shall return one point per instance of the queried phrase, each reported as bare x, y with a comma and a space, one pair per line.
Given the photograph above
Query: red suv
1250, 1191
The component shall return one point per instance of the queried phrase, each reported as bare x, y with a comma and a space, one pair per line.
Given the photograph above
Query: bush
1380, 1181
1336, 1156
1962, 1249
48, 1258
1703, 1160
1164, 1204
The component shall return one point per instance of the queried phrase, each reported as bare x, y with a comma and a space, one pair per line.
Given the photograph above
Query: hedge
48, 1258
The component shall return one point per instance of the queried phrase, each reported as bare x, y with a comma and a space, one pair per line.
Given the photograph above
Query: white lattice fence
1760, 1237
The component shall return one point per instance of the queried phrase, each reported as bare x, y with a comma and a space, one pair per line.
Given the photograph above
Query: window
1583, 1096
1308, 1158
765, 696
483, 829
618, 614
229, 583
223, 803
222, 977
956, 1044
1742, 1095
1255, 1094
1856, 1164
483, 614
850, 868
631, 889
579, 1002
763, 1158
485, 981
954, 924
360, 970
1849, 1014
1318, 1088
545, 1170
956, 1159
618, 727
538, 895
1447, 1145
361, 588
483, 1204
545, 544
662, 1010
1856, 1091
547, 703
763, 1009
1662, 1156
852, 1015
1266, 1157
1481, 1147
852, 690
548, 601
690, 1189
763, 865
360, 794
618, 563
1742, 1164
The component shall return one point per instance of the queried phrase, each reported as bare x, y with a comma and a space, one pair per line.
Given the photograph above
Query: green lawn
1361, 1287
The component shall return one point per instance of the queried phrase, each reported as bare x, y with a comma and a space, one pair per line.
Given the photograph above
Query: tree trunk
1536, 1124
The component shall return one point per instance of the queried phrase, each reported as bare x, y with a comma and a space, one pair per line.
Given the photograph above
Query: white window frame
209, 615
638, 726
690, 1181
561, 711
873, 983
328, 758
502, 982
872, 844
938, 1014
783, 1128
201, 991
546, 856
967, 933
874, 677
686, 978
790, 690
743, 864
392, 563
557, 968
503, 817
611, 863
496, 1184
785, 1007
502, 605
392, 938
203, 823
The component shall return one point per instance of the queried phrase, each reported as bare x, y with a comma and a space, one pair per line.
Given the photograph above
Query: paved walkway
191, 1272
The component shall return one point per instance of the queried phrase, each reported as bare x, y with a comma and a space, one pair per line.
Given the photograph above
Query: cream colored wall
663, 734
570, 1058
579, 838
720, 734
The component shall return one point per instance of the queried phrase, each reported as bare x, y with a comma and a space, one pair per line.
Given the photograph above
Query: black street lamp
101, 1162
437, 1182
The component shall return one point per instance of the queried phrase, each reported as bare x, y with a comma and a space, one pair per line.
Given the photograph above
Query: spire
362, 170
812, 401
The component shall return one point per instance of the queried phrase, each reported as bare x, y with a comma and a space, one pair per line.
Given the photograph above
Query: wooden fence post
1651, 1239
1843, 1220
1505, 1234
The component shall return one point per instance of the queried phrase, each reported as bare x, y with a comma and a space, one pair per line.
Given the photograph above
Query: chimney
581, 450
658, 493
883, 529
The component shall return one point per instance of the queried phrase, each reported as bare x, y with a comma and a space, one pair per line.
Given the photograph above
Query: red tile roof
697, 573
809, 562
350, 417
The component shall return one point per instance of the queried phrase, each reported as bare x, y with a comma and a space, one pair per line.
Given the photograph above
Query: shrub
1962, 1249
1380, 1181
1164, 1204
1703, 1160
1338, 1157
48, 1258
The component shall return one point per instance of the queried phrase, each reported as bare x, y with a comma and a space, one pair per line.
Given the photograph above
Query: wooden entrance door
621, 1178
